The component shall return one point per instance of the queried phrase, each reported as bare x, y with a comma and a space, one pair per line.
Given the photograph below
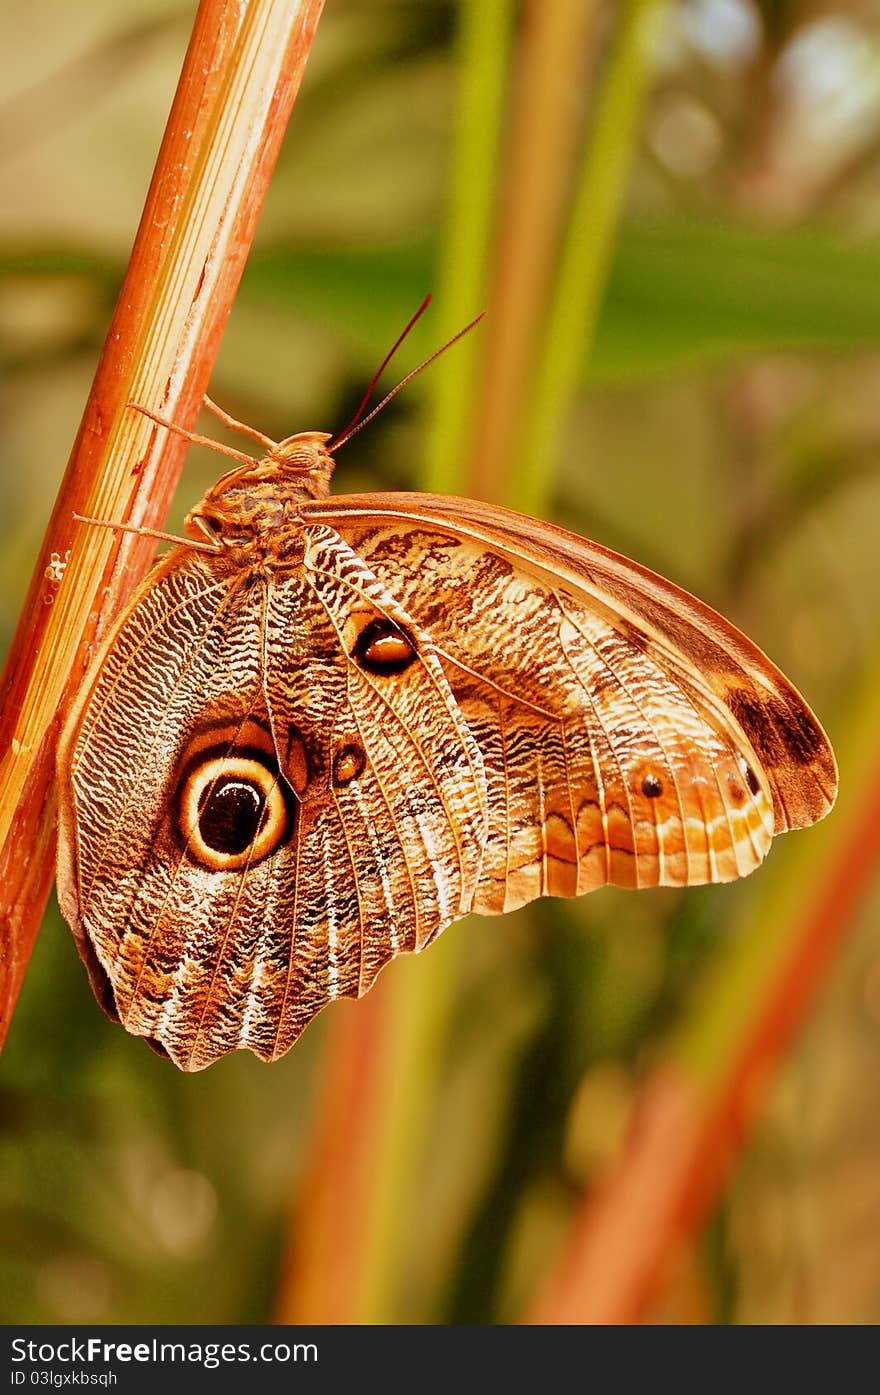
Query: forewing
629, 734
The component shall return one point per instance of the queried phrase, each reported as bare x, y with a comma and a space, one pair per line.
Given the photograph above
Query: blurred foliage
726, 434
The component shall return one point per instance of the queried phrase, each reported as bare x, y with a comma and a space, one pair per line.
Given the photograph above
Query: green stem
419, 1004
485, 32
423, 992
586, 254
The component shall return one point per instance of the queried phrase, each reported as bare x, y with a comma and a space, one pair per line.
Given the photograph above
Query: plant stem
484, 40
239, 82
696, 1106
546, 119
586, 256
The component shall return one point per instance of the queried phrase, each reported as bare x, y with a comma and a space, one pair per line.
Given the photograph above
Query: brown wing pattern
281, 773
154, 928
375, 783
629, 733
392, 812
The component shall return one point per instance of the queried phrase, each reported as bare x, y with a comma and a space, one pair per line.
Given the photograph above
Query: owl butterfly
325, 728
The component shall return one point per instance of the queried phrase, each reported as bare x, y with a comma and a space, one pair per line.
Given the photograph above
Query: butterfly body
336, 724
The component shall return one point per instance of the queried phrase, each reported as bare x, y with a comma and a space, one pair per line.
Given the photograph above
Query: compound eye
232, 812
383, 648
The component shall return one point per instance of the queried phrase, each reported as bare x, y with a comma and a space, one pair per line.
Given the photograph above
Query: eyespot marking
384, 648
232, 808
230, 815
734, 788
348, 764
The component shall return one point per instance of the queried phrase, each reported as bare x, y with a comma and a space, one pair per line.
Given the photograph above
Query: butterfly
324, 728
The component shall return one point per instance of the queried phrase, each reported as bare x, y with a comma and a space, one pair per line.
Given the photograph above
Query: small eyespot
652, 786
735, 790
383, 648
232, 812
348, 764
749, 776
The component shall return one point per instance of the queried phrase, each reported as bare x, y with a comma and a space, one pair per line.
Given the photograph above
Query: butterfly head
305, 459
255, 507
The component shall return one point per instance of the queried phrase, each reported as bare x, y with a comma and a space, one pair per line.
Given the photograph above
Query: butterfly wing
275, 780
258, 808
629, 733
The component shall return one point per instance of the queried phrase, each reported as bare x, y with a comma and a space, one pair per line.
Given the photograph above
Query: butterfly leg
141, 532
191, 436
235, 425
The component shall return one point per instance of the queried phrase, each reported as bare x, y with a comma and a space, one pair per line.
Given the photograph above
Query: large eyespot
232, 811
383, 648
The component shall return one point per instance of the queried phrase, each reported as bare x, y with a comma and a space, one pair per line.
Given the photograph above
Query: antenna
357, 423
381, 369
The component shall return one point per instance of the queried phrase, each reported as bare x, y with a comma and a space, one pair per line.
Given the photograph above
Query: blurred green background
726, 433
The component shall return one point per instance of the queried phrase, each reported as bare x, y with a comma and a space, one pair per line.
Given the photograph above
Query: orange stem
239, 81
684, 1138
329, 1222
558, 40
